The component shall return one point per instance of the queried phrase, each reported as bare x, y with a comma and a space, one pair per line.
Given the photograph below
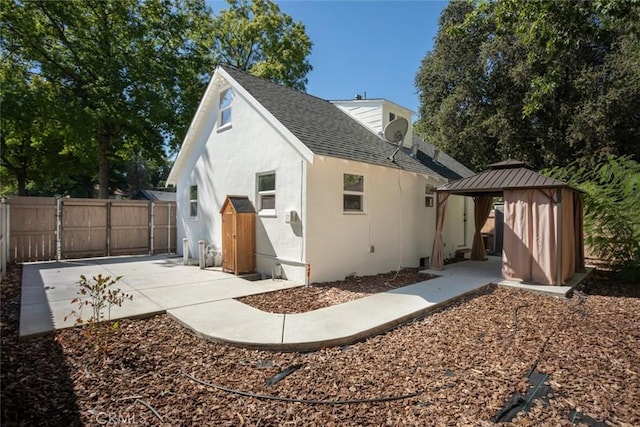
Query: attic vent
436, 153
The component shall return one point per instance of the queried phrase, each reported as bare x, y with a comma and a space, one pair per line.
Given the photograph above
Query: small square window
267, 192
353, 193
428, 198
193, 201
428, 201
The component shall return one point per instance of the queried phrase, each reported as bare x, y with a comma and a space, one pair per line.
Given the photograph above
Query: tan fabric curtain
568, 236
480, 215
544, 245
578, 228
517, 236
530, 246
437, 254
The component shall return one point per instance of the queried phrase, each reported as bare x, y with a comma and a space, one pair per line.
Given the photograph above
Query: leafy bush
611, 210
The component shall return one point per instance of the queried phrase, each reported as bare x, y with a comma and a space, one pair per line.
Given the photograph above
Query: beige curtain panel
437, 254
480, 215
530, 246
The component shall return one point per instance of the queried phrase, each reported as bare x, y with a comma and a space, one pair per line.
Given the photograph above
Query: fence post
169, 229
58, 229
108, 230
151, 227
3, 239
7, 219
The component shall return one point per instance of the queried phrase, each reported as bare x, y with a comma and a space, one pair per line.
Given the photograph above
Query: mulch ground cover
456, 367
321, 295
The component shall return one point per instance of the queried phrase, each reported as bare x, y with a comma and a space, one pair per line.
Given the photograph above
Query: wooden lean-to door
228, 239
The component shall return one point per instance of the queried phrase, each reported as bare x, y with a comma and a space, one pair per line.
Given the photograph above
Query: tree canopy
547, 82
254, 36
116, 83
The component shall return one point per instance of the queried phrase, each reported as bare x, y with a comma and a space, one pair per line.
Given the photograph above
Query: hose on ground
295, 400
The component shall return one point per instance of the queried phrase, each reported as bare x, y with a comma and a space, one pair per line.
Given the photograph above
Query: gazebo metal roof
506, 175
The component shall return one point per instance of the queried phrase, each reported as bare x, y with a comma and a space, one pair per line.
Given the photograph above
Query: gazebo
543, 230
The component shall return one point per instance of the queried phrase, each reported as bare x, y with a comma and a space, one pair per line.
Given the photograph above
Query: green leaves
91, 83
546, 82
611, 207
255, 36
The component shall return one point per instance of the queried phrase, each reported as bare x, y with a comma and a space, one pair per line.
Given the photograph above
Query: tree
127, 74
547, 82
123, 78
32, 152
254, 36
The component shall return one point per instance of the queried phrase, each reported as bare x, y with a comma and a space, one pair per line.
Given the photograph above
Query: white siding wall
395, 221
367, 112
227, 165
374, 114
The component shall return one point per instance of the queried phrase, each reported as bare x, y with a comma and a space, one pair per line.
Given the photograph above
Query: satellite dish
395, 130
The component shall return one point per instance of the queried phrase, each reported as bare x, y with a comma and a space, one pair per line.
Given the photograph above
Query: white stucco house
330, 200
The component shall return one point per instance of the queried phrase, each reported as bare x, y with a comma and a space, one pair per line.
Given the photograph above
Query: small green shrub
98, 295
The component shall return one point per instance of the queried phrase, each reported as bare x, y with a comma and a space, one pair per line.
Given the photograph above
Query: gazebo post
559, 269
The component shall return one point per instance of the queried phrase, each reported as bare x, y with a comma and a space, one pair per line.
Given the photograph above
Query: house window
193, 201
428, 195
226, 96
267, 192
353, 193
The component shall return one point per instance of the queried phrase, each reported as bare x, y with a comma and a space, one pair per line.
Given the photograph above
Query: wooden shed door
228, 240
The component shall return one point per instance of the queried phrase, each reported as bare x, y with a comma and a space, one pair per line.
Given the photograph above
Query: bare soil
455, 367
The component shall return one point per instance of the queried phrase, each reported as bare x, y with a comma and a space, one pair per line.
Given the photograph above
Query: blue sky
365, 46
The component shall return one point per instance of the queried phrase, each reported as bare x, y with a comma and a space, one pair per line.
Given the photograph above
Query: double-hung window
353, 193
267, 193
193, 201
226, 97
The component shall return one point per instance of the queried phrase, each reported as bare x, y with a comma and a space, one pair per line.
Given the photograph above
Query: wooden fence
45, 228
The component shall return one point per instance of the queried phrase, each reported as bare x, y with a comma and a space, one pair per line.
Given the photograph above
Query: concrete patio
204, 301
157, 283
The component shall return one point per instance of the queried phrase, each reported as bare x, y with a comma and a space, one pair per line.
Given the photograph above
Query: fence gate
45, 228
84, 228
31, 226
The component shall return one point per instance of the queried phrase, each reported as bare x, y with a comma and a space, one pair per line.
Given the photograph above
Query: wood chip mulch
321, 295
459, 367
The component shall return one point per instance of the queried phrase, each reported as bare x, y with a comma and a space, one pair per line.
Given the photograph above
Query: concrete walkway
238, 324
203, 301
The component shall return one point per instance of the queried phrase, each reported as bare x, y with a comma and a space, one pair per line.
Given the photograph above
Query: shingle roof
324, 128
241, 204
156, 195
506, 175
444, 164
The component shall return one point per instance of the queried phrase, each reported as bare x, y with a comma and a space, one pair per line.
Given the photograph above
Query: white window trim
266, 212
429, 193
221, 110
355, 193
192, 201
